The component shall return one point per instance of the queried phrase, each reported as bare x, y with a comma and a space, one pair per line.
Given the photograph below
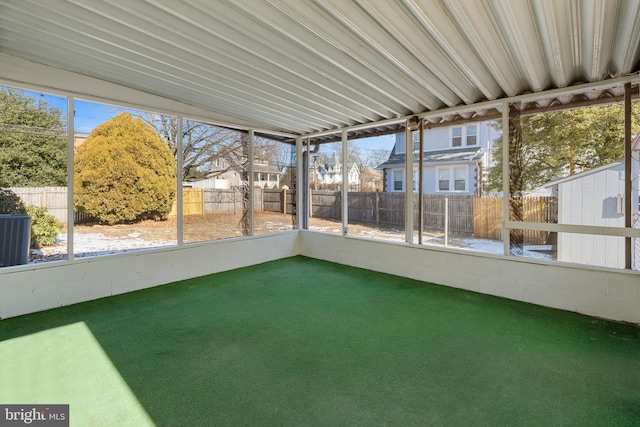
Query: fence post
446, 222
377, 208
284, 201
202, 201
235, 210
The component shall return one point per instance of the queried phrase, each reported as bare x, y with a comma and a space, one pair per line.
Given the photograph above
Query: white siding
591, 199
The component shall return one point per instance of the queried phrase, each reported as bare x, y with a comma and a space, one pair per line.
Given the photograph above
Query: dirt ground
199, 228
196, 228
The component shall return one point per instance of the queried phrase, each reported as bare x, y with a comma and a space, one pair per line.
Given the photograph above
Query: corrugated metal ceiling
304, 66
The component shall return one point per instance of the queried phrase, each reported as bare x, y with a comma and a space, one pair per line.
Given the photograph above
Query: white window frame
464, 136
394, 173
438, 171
475, 134
451, 179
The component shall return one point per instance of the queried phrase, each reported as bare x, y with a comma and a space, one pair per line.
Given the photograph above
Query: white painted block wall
598, 292
37, 287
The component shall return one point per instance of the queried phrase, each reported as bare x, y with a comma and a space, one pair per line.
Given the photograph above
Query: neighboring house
221, 170
209, 183
264, 175
330, 174
455, 160
594, 197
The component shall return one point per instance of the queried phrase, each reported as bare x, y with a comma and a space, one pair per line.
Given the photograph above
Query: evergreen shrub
124, 172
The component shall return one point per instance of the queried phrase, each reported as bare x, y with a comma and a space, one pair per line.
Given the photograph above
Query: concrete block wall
593, 291
37, 287
598, 292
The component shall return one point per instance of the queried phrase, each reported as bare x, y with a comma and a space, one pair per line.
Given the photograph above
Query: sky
90, 114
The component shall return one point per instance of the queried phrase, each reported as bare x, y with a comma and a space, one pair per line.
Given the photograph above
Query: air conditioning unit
15, 235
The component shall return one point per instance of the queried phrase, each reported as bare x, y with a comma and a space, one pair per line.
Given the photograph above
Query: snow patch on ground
95, 244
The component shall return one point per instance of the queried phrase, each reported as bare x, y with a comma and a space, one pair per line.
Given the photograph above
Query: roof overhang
288, 68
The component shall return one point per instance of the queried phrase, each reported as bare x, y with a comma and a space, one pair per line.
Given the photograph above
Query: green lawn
303, 342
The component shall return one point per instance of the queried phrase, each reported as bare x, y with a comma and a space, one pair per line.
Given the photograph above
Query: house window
464, 135
443, 179
456, 136
472, 135
398, 178
459, 179
452, 179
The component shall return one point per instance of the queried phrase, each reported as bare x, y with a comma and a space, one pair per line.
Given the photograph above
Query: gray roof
451, 155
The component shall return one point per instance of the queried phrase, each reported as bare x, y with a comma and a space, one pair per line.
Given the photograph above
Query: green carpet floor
302, 342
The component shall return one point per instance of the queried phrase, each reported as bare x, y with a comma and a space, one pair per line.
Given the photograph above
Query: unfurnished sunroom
250, 98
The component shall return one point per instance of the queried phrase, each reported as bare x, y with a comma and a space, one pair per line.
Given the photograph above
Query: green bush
44, 227
10, 203
124, 172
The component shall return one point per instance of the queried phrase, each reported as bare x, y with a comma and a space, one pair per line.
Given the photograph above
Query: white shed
594, 197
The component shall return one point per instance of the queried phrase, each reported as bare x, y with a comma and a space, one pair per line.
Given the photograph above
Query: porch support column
345, 184
179, 179
301, 221
408, 187
505, 177
421, 182
516, 184
628, 202
70, 169
250, 166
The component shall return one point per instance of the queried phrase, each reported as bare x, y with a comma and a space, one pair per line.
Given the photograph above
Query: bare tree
202, 144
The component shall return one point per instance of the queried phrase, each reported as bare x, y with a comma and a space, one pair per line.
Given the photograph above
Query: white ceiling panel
308, 66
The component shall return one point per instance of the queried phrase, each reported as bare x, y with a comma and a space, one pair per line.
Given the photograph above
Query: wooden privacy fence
52, 198
277, 200
326, 204
480, 216
488, 214
382, 208
195, 201
201, 201
459, 209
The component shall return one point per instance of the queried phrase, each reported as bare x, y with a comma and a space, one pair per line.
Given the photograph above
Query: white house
264, 175
455, 159
330, 173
